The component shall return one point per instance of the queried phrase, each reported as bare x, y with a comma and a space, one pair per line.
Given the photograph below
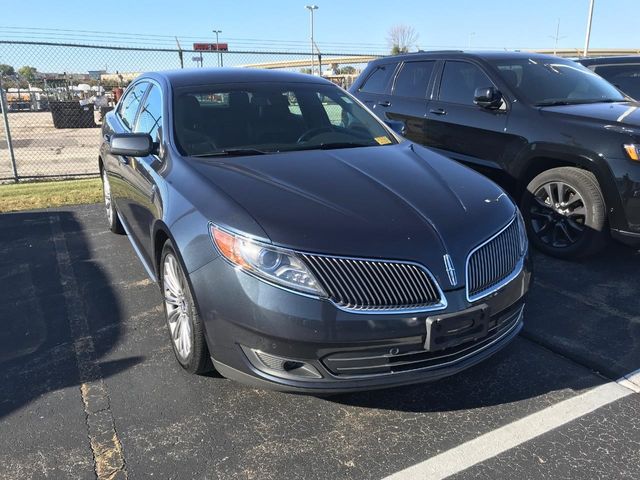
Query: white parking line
513, 434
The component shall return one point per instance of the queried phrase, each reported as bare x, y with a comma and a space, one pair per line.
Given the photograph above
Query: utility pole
471, 35
556, 38
218, 47
7, 131
311, 8
588, 35
179, 53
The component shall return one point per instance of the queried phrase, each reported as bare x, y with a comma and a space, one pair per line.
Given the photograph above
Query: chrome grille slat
494, 261
371, 285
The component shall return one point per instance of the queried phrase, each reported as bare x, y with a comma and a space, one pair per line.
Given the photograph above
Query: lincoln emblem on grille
451, 271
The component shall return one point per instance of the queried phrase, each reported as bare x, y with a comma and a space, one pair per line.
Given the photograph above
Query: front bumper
241, 314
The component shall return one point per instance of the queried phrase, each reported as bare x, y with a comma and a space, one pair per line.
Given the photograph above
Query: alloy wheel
558, 214
178, 307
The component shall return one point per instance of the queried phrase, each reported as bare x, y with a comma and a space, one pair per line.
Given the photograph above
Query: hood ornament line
451, 271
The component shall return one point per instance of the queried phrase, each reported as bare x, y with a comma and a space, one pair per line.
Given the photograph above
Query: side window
459, 82
413, 79
378, 80
626, 77
129, 104
150, 118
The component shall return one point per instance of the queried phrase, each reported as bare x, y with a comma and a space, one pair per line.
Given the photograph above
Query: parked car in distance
299, 243
561, 139
623, 72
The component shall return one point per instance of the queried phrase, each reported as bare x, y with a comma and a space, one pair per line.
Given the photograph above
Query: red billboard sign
211, 47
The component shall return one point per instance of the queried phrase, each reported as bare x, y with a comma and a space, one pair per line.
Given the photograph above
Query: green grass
26, 196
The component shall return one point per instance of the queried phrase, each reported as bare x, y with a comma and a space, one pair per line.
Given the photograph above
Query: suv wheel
565, 213
112, 215
185, 327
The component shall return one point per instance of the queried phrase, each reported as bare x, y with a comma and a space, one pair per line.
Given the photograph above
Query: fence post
5, 116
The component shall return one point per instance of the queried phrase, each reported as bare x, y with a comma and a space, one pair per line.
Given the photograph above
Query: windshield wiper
231, 152
552, 103
332, 145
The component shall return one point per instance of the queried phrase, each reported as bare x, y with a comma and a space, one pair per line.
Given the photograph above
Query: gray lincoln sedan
299, 242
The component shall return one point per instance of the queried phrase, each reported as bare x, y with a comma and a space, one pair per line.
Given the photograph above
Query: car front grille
493, 262
404, 357
370, 285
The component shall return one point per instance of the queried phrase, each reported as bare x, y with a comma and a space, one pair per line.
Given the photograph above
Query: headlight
633, 151
273, 264
522, 233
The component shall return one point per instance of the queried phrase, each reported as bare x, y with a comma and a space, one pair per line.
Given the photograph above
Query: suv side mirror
488, 97
131, 144
397, 126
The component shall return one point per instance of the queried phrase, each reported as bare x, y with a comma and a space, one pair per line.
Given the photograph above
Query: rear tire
565, 213
185, 327
112, 214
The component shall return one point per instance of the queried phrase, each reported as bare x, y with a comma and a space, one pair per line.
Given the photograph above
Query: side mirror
488, 97
397, 126
131, 144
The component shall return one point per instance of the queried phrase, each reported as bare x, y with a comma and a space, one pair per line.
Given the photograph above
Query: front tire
183, 321
565, 213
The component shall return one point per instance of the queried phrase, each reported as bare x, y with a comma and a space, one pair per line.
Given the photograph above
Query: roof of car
609, 60
482, 54
205, 76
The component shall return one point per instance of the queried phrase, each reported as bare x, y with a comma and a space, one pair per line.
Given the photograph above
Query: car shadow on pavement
47, 276
582, 329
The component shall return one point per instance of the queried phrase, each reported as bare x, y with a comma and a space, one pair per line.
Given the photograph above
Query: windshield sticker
383, 140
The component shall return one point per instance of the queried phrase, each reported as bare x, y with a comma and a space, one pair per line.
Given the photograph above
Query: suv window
130, 103
413, 79
626, 77
378, 80
545, 81
459, 82
150, 118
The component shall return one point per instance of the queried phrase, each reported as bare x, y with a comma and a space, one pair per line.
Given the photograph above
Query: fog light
281, 366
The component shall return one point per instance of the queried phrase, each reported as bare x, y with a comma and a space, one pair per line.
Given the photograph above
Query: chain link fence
56, 95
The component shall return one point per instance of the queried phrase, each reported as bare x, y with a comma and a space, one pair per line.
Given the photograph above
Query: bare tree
402, 38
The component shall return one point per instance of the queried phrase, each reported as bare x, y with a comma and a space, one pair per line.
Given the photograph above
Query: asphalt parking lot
89, 385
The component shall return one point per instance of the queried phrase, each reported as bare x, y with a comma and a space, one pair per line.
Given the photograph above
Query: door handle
123, 160
438, 111
385, 103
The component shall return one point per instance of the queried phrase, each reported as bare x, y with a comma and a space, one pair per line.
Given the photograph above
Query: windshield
268, 117
555, 82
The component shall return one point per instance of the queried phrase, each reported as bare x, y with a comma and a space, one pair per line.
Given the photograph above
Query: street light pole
588, 35
218, 47
311, 8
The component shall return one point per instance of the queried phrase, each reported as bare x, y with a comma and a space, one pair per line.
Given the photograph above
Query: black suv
623, 72
562, 140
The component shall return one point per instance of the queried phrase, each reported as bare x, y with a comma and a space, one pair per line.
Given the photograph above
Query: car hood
627, 113
395, 202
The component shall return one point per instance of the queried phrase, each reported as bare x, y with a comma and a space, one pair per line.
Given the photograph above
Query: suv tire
565, 213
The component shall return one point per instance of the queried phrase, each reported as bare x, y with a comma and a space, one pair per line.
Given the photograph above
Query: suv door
458, 127
409, 98
374, 92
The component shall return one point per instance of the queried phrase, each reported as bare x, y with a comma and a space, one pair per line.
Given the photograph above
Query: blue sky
342, 26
